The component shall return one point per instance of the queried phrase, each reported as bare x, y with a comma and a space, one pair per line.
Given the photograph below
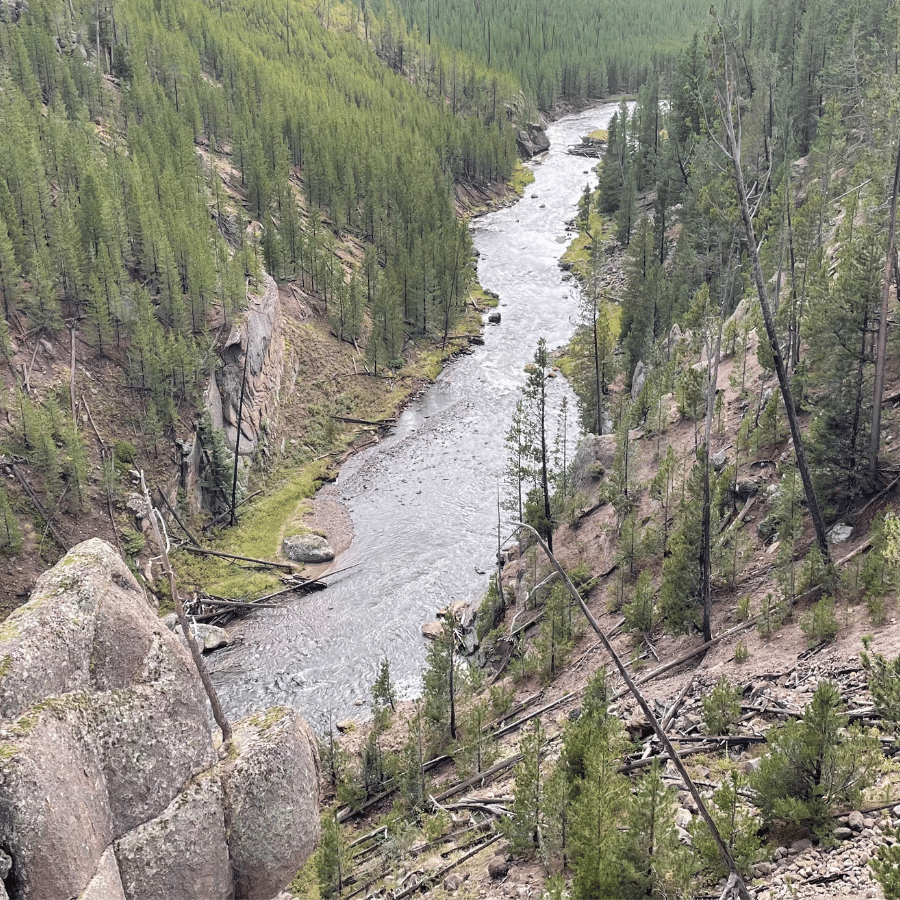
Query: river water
424, 500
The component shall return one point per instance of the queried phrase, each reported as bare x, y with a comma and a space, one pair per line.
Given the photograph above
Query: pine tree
10, 532
333, 859
440, 685
538, 510
384, 693
523, 828
814, 764
653, 856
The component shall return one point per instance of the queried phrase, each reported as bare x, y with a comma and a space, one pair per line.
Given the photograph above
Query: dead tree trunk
724, 852
881, 351
726, 102
217, 711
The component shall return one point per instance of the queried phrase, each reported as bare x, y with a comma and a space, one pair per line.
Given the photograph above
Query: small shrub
772, 614
820, 625
886, 867
133, 541
722, 707
877, 607
501, 698
639, 611
124, 452
434, 826
742, 613
884, 683
741, 653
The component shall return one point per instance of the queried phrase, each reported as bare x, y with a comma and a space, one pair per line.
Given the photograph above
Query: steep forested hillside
569, 51
156, 158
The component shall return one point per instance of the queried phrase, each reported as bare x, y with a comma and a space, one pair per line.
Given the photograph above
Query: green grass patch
522, 176
578, 253
258, 534
599, 134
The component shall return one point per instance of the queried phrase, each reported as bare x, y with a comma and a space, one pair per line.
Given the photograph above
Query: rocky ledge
111, 787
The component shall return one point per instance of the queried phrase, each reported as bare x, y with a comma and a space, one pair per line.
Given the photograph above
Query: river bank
422, 499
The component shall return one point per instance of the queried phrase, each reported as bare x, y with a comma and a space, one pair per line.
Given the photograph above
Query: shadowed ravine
424, 501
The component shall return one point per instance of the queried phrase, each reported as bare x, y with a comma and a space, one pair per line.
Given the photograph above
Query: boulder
46, 644
719, 460
271, 801
538, 137
671, 412
55, 820
745, 488
107, 883
307, 548
209, 637
110, 788
840, 533
532, 141
432, 630
498, 867
594, 455
181, 853
152, 740
494, 318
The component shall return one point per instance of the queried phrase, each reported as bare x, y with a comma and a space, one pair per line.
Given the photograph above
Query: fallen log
513, 726
437, 876
236, 604
38, 506
175, 516
351, 421
672, 711
661, 670
495, 769
191, 548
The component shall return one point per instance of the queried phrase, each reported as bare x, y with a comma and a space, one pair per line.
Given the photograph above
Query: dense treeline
570, 51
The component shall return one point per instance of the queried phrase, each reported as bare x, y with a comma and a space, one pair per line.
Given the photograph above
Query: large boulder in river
307, 548
532, 141
110, 786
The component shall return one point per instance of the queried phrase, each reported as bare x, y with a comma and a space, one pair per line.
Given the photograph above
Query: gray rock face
153, 740
638, 379
107, 883
593, 457
56, 824
110, 786
532, 141
260, 338
267, 799
307, 548
182, 853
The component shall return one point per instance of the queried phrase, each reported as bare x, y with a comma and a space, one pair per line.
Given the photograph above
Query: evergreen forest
166, 163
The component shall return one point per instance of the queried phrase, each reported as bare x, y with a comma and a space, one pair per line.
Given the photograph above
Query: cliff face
110, 784
257, 339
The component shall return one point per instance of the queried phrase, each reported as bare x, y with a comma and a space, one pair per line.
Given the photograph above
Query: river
424, 501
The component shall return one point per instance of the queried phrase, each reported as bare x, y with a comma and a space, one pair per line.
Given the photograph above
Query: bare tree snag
881, 344
217, 711
727, 100
730, 864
